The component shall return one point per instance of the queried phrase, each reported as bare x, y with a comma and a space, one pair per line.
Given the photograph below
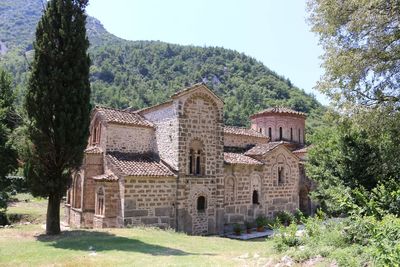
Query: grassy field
26, 245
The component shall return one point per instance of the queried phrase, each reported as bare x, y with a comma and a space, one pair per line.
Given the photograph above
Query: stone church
177, 165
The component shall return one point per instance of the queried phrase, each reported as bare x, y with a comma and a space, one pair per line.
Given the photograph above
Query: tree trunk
53, 214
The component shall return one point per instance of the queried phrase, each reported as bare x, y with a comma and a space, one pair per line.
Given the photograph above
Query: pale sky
274, 32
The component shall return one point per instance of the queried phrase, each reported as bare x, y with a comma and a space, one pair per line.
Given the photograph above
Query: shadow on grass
103, 241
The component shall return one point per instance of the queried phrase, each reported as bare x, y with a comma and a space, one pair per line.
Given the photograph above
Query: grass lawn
26, 245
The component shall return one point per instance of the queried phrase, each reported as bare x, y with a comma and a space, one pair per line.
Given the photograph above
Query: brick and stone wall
166, 135
150, 201
130, 139
238, 204
242, 141
275, 121
112, 204
241, 181
200, 120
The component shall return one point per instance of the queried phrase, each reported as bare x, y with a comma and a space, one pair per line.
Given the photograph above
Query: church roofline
194, 87
121, 117
280, 111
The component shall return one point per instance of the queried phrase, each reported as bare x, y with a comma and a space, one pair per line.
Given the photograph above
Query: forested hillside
142, 73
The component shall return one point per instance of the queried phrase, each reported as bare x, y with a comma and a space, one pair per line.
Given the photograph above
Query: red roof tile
237, 158
122, 117
242, 131
130, 164
279, 110
261, 149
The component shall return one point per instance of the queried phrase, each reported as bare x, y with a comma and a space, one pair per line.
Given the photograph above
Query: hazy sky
272, 31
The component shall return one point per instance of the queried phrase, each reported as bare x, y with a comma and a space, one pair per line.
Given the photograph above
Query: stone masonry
175, 165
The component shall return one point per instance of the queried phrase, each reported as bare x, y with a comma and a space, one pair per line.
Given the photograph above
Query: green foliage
285, 217
8, 155
285, 237
261, 221
57, 102
237, 229
361, 43
138, 74
355, 163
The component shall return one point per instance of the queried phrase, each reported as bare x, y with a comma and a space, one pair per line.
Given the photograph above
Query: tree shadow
104, 241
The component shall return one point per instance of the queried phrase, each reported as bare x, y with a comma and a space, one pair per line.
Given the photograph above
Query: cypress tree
58, 103
8, 155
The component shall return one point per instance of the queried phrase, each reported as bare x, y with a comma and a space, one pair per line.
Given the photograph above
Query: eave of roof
133, 164
237, 158
193, 87
122, 117
243, 132
280, 111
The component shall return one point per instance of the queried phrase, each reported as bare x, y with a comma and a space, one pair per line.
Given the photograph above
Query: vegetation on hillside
142, 73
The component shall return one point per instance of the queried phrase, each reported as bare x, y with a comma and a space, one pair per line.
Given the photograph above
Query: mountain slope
142, 73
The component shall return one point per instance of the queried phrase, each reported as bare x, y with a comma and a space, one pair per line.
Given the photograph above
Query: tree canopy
361, 40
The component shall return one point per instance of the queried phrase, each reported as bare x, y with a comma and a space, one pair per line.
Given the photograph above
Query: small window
255, 197
260, 130
280, 175
280, 133
201, 204
270, 133
291, 134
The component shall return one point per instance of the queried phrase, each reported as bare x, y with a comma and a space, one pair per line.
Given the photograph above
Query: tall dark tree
8, 156
58, 103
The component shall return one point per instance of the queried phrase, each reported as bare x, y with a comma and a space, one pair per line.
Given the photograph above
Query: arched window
100, 205
270, 133
201, 204
280, 133
280, 175
260, 130
291, 134
96, 133
196, 158
78, 192
255, 197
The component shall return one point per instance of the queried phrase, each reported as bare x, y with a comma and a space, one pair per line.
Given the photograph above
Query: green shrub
285, 217
261, 221
285, 237
3, 219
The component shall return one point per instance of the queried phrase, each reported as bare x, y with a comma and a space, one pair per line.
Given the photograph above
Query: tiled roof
130, 164
192, 87
301, 150
261, 149
107, 176
242, 131
279, 110
236, 158
123, 117
93, 150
